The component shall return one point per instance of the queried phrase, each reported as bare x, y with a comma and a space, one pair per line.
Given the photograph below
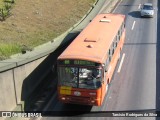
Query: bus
86, 66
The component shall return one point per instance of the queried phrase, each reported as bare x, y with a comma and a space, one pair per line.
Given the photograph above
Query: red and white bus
86, 66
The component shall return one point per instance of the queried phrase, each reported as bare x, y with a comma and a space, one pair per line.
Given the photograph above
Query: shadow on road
69, 110
38, 80
135, 14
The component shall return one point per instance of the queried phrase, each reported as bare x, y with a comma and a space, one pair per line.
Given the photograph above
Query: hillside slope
34, 22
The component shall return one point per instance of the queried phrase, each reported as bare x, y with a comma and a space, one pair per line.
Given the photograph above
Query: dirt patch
35, 22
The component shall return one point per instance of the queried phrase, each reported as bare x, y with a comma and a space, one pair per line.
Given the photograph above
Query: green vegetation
38, 21
5, 7
8, 49
3, 2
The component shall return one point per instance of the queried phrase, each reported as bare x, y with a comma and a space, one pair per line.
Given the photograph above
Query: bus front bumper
80, 100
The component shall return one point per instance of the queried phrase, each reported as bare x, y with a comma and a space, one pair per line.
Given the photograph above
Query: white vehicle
147, 10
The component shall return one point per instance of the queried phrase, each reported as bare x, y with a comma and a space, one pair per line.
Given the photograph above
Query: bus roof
94, 41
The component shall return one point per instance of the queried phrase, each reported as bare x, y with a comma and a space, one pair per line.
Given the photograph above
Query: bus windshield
78, 77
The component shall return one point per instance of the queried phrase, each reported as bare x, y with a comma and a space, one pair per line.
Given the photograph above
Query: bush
7, 50
5, 11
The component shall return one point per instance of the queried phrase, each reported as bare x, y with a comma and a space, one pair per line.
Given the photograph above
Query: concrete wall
11, 82
7, 91
20, 75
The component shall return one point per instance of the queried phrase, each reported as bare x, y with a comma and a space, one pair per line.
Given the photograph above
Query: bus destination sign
77, 62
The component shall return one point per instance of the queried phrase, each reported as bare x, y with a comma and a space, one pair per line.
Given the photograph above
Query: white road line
139, 6
120, 66
116, 6
133, 25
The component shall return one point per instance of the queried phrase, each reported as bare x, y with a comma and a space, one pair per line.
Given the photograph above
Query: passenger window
112, 51
122, 27
109, 52
110, 55
116, 44
110, 58
107, 63
118, 32
117, 38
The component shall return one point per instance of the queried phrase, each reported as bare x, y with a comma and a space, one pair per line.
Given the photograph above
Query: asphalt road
136, 86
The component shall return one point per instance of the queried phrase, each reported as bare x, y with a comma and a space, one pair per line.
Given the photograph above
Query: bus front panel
80, 84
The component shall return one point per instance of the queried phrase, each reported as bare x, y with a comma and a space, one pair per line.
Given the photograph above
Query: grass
8, 49
38, 21
5, 7
1, 3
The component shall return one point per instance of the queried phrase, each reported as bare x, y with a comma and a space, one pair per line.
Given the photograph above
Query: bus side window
113, 48
120, 31
119, 35
117, 38
123, 26
115, 41
110, 55
107, 63
113, 51
116, 44
109, 52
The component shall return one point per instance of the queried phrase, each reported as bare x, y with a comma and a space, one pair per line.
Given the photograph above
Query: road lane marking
133, 25
116, 7
139, 6
120, 66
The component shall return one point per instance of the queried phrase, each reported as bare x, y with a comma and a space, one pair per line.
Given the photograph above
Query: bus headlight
63, 98
92, 101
